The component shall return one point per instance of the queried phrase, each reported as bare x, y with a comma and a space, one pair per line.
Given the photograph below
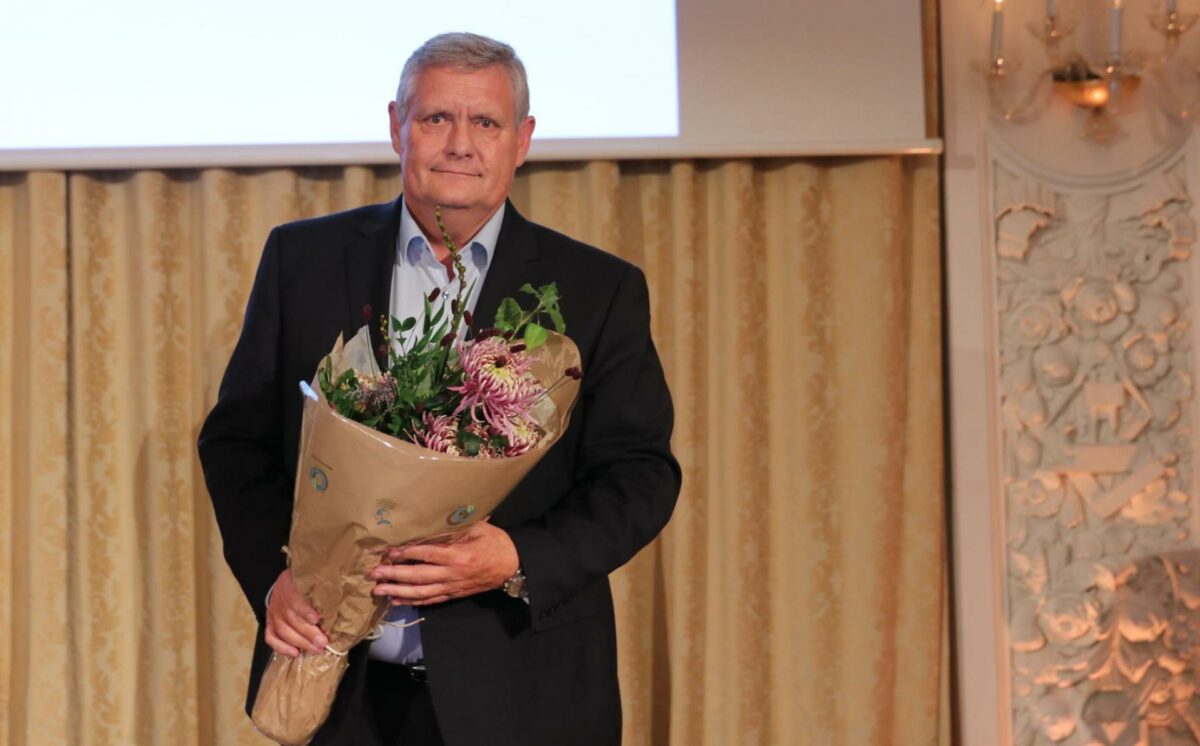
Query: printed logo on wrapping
383, 509
317, 477
460, 515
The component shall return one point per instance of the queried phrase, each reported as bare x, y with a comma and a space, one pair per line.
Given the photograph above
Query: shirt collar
413, 247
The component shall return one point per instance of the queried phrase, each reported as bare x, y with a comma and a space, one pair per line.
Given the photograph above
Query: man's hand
481, 561
291, 622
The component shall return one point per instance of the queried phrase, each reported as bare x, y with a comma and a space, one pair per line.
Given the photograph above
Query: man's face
459, 144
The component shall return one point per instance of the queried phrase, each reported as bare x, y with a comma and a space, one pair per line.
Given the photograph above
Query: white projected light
138, 84
136, 74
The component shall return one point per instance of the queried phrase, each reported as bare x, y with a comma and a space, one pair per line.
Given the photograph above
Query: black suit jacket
500, 671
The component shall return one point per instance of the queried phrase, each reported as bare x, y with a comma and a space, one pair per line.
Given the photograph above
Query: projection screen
135, 84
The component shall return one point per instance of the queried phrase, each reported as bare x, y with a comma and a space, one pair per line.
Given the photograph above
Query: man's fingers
294, 637
291, 599
430, 553
412, 574
312, 633
303, 611
279, 646
426, 574
407, 593
441, 554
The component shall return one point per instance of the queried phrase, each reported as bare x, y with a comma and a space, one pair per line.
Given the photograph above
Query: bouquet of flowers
416, 452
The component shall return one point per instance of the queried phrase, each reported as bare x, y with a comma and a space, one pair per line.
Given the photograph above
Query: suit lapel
515, 261
369, 260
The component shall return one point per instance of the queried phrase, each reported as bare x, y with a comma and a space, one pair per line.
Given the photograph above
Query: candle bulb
1114, 31
998, 31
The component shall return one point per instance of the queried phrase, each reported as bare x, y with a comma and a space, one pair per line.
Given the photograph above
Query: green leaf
469, 442
556, 317
323, 377
548, 293
527, 288
424, 388
508, 315
395, 422
407, 324
438, 316
535, 336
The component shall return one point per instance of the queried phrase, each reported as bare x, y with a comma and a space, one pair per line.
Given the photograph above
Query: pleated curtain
798, 596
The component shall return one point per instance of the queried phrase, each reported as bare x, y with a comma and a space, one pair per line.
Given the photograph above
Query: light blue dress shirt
414, 276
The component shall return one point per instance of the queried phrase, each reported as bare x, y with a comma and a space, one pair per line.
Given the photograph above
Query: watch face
515, 586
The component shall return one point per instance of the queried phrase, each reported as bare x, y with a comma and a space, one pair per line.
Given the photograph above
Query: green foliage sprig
424, 364
516, 323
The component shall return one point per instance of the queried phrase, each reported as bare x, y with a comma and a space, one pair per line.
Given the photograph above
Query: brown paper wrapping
359, 491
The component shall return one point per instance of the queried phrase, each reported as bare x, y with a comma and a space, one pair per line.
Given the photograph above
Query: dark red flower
434, 295
574, 372
468, 317
368, 313
518, 347
446, 340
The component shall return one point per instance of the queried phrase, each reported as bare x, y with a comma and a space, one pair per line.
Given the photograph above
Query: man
507, 637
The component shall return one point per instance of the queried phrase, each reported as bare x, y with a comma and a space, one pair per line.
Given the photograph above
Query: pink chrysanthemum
497, 384
440, 433
523, 435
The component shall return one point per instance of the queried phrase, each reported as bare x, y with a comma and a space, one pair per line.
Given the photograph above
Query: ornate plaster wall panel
1096, 379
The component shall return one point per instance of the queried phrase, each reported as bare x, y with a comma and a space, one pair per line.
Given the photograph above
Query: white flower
1069, 618
1055, 365
1034, 322
1099, 309
1040, 496
1145, 356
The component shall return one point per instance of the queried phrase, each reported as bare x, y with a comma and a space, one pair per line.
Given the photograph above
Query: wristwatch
515, 585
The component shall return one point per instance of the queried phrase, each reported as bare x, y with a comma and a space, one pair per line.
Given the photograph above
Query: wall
1071, 293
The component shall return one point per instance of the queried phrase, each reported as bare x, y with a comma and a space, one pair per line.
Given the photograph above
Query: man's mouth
452, 172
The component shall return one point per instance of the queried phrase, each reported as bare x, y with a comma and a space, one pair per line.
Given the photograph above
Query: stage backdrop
798, 595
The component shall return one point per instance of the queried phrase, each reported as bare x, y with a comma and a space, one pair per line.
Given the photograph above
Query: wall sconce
1101, 88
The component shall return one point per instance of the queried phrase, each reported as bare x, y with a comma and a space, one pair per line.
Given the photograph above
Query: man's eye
437, 119
486, 123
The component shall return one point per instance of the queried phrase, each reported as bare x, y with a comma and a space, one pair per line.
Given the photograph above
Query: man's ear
394, 126
524, 138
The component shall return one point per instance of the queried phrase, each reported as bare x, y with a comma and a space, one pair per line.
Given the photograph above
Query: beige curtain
798, 595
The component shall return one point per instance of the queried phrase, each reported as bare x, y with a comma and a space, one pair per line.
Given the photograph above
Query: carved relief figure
1095, 400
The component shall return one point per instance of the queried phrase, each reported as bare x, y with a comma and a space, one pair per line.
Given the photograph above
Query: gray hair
469, 52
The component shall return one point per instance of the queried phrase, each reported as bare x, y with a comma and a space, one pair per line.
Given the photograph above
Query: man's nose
461, 141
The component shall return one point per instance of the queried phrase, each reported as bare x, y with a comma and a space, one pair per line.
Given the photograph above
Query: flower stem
461, 272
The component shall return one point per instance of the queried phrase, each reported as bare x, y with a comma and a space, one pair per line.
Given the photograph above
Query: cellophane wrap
359, 492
